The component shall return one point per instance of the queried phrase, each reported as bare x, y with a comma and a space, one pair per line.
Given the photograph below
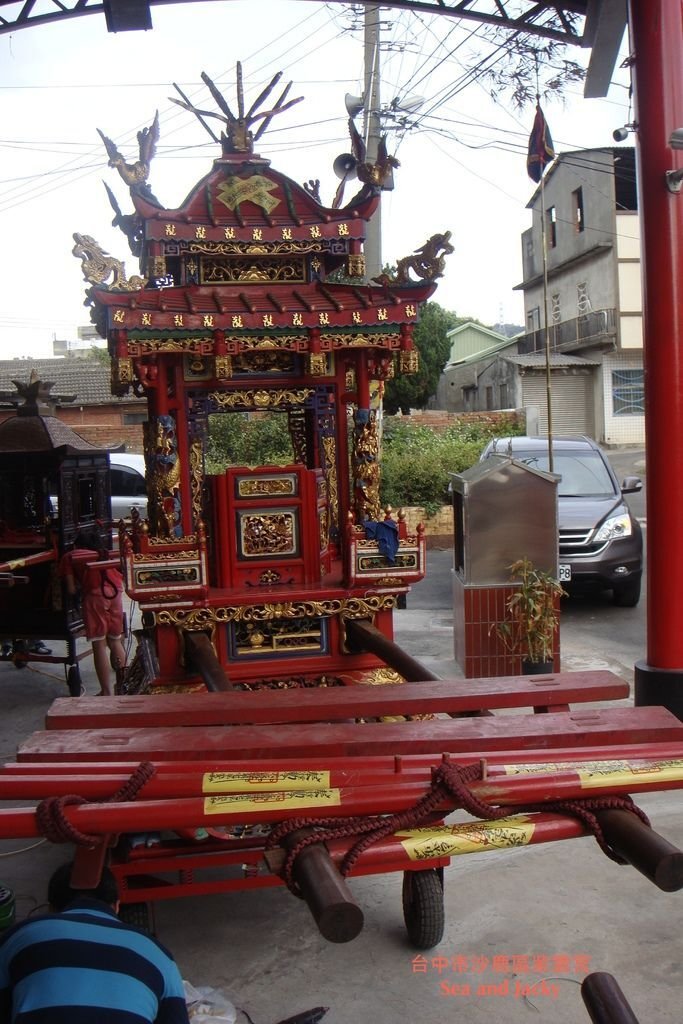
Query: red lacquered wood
336, 702
381, 764
498, 789
505, 732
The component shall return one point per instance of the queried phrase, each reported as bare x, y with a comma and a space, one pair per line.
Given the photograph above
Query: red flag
541, 151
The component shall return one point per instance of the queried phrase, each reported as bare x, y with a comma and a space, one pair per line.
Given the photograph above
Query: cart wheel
136, 914
73, 681
423, 910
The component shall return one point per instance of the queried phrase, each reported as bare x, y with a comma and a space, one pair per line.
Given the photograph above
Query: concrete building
591, 292
473, 349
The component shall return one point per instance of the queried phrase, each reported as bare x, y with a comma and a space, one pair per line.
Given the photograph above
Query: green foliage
416, 460
532, 609
242, 439
99, 354
412, 391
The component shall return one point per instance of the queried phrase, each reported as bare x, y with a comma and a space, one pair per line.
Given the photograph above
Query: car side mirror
631, 485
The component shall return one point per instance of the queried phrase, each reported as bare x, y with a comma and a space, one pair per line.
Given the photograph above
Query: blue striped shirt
85, 966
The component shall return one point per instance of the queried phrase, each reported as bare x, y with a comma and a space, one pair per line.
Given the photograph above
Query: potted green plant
529, 630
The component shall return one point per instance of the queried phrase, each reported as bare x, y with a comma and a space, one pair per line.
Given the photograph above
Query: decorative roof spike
136, 175
427, 263
238, 137
35, 394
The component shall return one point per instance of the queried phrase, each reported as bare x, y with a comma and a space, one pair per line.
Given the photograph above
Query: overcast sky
463, 164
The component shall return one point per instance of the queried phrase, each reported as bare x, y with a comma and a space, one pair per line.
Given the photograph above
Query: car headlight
615, 527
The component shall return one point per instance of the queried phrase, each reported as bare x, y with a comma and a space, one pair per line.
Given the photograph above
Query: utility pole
372, 132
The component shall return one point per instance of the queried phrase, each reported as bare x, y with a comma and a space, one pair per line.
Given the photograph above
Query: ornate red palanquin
235, 312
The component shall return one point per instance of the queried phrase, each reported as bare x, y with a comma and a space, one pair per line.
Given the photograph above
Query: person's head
60, 892
90, 539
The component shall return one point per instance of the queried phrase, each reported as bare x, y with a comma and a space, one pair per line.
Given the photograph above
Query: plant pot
537, 668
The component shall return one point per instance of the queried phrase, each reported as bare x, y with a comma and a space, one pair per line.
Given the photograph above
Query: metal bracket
674, 180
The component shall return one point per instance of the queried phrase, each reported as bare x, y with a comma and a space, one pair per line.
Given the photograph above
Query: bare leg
117, 655
102, 668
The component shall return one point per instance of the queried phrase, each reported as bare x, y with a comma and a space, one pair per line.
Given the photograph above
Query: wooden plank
335, 702
613, 726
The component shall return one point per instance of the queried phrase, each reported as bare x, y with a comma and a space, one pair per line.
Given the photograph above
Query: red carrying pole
350, 767
511, 784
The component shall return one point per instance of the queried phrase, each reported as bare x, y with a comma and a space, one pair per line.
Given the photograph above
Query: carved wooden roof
28, 434
246, 193
264, 306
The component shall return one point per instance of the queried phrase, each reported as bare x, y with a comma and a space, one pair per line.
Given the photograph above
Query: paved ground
536, 916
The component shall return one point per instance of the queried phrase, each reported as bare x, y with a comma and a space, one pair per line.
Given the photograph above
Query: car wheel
627, 595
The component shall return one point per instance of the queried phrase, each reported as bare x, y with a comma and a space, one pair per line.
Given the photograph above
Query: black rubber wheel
136, 914
423, 909
627, 595
73, 681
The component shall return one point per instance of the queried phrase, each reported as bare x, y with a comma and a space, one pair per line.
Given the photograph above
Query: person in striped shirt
80, 964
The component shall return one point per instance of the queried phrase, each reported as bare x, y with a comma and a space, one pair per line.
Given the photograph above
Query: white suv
128, 488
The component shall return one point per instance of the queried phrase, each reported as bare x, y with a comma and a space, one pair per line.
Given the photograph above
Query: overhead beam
604, 30
556, 21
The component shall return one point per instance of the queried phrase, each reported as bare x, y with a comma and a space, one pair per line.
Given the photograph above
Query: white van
128, 489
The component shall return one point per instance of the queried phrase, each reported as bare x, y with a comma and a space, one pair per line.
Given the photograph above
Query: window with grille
628, 392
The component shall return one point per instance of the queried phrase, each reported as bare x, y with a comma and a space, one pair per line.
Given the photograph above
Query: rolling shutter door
571, 398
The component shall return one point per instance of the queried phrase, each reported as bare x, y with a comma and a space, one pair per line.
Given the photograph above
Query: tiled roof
536, 360
86, 379
21, 434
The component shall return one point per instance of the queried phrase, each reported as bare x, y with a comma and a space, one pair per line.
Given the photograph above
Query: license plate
565, 573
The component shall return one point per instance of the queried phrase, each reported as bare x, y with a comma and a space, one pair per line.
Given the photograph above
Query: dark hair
91, 539
60, 892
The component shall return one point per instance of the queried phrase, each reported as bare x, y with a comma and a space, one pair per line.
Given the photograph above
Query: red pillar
657, 42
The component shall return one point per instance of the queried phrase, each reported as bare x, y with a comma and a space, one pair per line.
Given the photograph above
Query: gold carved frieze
122, 374
287, 248
409, 361
278, 636
263, 362
192, 619
148, 346
174, 575
223, 367
317, 364
196, 478
355, 265
330, 449
360, 340
324, 528
263, 486
281, 343
171, 556
267, 533
259, 398
245, 270
366, 468
189, 540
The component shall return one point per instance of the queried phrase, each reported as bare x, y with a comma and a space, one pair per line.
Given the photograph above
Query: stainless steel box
503, 510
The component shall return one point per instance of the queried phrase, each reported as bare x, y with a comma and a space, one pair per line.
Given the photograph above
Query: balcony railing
598, 325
